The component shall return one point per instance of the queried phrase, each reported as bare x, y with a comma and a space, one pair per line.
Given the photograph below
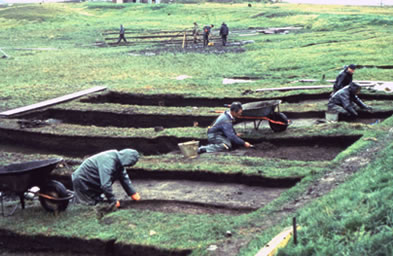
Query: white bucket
331, 116
189, 149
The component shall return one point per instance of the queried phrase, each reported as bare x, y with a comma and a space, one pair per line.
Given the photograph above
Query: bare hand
248, 145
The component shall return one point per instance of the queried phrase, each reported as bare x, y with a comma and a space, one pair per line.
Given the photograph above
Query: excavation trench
132, 120
173, 192
307, 149
38, 245
173, 100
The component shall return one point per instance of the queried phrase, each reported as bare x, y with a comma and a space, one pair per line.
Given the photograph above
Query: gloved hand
117, 204
136, 197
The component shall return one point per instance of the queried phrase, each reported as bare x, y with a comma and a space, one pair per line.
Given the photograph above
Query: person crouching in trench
342, 102
221, 135
96, 174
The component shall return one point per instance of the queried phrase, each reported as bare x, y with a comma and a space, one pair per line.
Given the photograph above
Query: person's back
224, 30
97, 174
344, 78
345, 98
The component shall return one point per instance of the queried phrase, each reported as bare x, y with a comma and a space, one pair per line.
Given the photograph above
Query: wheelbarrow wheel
55, 189
281, 117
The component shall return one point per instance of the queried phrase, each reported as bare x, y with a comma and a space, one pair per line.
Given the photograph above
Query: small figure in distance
121, 34
206, 33
195, 32
224, 31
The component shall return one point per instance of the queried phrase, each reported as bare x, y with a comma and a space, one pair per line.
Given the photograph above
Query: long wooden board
52, 101
279, 241
304, 87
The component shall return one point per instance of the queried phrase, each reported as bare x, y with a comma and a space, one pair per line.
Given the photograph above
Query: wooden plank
370, 83
303, 87
294, 88
279, 241
52, 101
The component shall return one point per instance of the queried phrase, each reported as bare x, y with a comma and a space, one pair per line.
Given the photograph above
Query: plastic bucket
331, 116
189, 149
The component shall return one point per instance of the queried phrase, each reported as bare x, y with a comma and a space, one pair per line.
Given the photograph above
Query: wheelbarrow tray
19, 177
260, 108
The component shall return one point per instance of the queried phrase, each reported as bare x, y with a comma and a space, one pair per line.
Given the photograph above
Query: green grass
355, 219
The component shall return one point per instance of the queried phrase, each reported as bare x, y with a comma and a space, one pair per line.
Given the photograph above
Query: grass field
52, 51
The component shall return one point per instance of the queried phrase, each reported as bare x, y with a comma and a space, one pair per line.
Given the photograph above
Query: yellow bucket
189, 149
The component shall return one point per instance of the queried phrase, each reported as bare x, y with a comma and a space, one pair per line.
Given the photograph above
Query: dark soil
174, 100
196, 197
216, 49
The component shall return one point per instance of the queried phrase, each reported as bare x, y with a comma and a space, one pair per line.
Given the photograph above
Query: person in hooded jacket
342, 102
97, 173
221, 135
224, 31
344, 78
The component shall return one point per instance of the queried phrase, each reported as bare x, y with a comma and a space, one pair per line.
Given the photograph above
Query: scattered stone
182, 77
212, 248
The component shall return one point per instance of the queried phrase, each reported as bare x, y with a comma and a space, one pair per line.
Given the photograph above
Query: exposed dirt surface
216, 49
179, 100
199, 197
139, 120
317, 152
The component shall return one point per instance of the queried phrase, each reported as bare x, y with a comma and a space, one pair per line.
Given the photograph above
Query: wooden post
184, 40
294, 230
5, 54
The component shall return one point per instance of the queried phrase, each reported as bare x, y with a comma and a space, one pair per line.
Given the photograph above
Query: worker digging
95, 176
221, 135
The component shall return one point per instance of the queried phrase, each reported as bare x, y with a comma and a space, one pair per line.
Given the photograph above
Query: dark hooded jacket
224, 30
97, 173
346, 97
342, 80
224, 126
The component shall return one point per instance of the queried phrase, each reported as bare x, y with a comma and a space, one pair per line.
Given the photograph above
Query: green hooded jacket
97, 173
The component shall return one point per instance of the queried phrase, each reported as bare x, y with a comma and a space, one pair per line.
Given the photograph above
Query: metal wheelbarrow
20, 177
265, 110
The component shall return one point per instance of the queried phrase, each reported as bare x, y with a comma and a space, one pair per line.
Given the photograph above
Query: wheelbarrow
265, 110
19, 178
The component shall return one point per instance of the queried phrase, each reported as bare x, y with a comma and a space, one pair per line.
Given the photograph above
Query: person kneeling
96, 175
221, 136
342, 102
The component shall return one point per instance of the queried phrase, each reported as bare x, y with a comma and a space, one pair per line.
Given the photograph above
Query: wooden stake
184, 40
5, 54
294, 230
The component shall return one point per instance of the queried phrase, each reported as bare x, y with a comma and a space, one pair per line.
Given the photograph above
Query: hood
353, 87
128, 157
